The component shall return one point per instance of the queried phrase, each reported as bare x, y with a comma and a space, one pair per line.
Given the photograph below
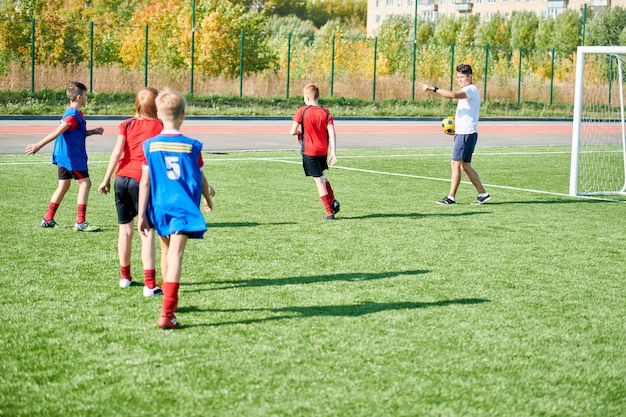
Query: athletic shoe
48, 223
85, 227
446, 201
166, 322
126, 282
151, 292
336, 206
329, 217
482, 200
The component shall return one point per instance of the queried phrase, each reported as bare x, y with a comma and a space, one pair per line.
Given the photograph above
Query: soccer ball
447, 125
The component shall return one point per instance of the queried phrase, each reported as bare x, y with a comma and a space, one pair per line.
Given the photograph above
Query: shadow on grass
244, 224
353, 310
410, 215
311, 279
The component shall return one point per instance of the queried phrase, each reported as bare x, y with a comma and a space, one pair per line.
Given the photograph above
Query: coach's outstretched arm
455, 95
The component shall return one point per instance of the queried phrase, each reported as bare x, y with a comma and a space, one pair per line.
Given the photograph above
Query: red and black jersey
314, 121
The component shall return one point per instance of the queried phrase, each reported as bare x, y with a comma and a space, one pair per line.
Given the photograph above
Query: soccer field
401, 307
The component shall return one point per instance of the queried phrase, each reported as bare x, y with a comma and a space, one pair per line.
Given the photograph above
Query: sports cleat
151, 292
481, 200
48, 223
85, 227
329, 217
446, 201
126, 282
166, 322
336, 206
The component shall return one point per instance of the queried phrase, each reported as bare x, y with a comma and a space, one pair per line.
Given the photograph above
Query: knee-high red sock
81, 212
329, 189
170, 298
149, 278
327, 202
52, 210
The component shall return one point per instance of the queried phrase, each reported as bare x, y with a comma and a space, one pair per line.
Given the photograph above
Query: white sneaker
125, 283
151, 292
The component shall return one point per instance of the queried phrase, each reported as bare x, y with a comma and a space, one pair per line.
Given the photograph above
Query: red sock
327, 204
331, 194
52, 210
170, 298
149, 278
125, 271
81, 212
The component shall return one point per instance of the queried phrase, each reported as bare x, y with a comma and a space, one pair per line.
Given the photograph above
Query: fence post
241, 45
32, 56
519, 77
288, 64
552, 77
145, 68
374, 82
91, 57
486, 67
414, 51
332, 67
452, 71
193, 45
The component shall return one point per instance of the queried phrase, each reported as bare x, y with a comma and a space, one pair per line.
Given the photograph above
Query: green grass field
400, 308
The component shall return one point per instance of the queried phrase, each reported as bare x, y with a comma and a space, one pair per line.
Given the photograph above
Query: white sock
483, 195
451, 198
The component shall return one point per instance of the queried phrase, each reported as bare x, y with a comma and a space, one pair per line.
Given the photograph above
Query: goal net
598, 164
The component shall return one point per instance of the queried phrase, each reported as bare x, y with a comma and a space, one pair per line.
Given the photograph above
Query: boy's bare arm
332, 144
33, 148
96, 131
207, 192
142, 206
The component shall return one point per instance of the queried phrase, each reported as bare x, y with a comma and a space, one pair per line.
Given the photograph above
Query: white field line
297, 161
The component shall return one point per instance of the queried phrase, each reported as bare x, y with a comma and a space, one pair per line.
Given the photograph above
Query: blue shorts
464, 147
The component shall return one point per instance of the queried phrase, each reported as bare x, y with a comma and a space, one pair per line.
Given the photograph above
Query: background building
379, 10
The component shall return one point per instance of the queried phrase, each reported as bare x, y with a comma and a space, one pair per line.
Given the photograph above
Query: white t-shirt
466, 119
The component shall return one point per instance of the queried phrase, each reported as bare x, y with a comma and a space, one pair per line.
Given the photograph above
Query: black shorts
464, 146
314, 166
126, 199
66, 174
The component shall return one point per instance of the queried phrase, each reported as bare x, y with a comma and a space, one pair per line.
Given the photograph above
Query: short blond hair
170, 104
311, 90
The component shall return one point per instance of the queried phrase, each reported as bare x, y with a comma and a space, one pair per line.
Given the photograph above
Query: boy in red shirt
314, 126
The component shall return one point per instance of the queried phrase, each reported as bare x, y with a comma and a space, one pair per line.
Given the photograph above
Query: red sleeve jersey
314, 121
136, 132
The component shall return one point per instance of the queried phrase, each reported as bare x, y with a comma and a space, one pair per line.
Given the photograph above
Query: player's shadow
302, 312
212, 225
304, 280
410, 215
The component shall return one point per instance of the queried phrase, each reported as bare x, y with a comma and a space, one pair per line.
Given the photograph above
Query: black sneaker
446, 201
482, 200
336, 206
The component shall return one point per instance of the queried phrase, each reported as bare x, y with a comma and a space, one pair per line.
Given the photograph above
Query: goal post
598, 163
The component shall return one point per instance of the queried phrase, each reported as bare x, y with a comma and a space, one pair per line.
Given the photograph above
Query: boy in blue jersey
70, 155
171, 187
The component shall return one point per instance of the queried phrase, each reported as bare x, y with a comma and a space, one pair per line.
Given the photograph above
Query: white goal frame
577, 118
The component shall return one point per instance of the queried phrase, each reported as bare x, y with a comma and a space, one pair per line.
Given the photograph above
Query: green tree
523, 29
466, 34
395, 40
445, 30
606, 27
424, 30
495, 31
567, 31
543, 35
219, 39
